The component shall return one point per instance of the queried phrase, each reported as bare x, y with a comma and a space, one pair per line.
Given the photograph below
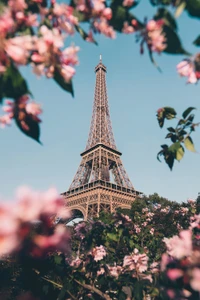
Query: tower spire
101, 128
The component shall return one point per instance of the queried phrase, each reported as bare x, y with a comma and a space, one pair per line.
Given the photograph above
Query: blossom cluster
190, 68
181, 265
23, 107
28, 226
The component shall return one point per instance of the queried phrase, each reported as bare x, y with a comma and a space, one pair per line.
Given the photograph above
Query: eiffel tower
101, 182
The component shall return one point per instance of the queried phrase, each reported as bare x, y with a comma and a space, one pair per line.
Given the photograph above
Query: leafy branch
179, 135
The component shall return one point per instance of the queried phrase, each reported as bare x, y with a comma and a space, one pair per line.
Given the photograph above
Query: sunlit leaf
189, 144
180, 153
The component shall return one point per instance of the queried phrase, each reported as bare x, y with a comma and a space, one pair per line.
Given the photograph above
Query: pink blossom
58, 241
152, 231
137, 228
115, 270
19, 47
186, 69
195, 282
128, 3
98, 253
17, 5
103, 27
17, 221
100, 272
174, 274
180, 246
67, 72
76, 262
127, 28
52, 37
5, 120
136, 261
33, 108
107, 13
155, 37
6, 23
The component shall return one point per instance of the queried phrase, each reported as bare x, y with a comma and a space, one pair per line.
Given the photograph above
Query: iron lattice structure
101, 182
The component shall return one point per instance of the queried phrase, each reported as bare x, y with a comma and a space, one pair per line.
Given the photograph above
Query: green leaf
67, 86
120, 14
197, 41
27, 124
171, 129
180, 153
167, 17
193, 8
113, 237
180, 9
169, 112
187, 112
57, 259
83, 34
173, 42
12, 84
189, 144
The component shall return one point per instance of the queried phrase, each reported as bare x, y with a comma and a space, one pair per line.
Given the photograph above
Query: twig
92, 288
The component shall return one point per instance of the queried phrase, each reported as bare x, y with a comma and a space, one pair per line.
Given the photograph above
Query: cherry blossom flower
128, 3
98, 253
115, 270
152, 231
174, 274
180, 246
17, 222
186, 68
155, 37
136, 261
100, 272
76, 262
195, 279
127, 28
33, 108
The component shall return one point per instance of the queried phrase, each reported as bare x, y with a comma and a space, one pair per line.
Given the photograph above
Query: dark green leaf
67, 86
187, 112
193, 8
83, 34
120, 14
173, 42
197, 41
12, 84
171, 129
167, 17
27, 124
169, 112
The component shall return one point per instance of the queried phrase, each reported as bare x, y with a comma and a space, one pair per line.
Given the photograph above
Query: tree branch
92, 288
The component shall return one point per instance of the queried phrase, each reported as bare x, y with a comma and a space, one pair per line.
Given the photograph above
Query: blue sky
135, 90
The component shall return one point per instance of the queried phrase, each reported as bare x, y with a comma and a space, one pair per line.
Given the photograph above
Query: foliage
115, 256
179, 135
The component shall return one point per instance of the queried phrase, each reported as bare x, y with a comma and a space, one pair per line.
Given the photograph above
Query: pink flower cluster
181, 263
189, 68
99, 16
19, 222
136, 261
31, 108
98, 253
156, 40
43, 51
